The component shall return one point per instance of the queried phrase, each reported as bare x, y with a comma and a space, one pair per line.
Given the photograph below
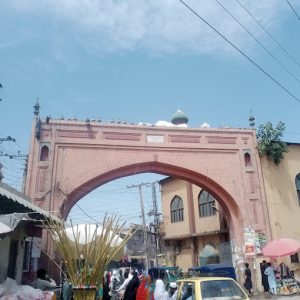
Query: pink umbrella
281, 247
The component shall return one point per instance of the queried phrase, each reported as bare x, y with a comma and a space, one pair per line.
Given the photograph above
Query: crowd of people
131, 285
270, 276
134, 286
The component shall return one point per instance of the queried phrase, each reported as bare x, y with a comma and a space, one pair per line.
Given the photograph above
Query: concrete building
210, 242
137, 250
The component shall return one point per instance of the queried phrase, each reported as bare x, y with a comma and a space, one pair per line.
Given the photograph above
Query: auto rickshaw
214, 270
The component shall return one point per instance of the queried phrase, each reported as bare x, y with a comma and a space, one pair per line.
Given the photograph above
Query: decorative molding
125, 136
46, 133
254, 210
184, 138
245, 140
40, 179
76, 134
251, 180
221, 140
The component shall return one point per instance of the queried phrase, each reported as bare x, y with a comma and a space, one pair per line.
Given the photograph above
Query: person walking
271, 278
145, 291
248, 281
122, 288
132, 287
160, 292
173, 291
264, 277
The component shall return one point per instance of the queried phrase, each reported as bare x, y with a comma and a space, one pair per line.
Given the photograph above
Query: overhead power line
241, 52
261, 44
95, 220
293, 9
268, 33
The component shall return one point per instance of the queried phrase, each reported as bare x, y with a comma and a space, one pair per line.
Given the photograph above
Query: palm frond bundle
87, 258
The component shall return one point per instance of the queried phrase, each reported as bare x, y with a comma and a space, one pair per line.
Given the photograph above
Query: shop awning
12, 201
9, 222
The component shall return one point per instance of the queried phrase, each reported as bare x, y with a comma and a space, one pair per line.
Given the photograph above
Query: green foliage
270, 143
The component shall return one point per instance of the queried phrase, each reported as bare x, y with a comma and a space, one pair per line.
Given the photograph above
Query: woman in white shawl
160, 292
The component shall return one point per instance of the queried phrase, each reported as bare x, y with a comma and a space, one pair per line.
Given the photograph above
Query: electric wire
268, 33
260, 43
240, 51
87, 214
293, 9
92, 216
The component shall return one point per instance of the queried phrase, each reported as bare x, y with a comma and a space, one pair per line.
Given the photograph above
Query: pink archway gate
84, 155
225, 200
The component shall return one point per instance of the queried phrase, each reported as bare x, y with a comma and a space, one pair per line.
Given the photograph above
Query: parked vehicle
210, 288
219, 270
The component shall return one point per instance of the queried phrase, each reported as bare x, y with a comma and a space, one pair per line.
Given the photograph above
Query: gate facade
70, 158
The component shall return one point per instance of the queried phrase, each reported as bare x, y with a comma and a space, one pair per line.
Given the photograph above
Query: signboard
155, 138
249, 237
260, 241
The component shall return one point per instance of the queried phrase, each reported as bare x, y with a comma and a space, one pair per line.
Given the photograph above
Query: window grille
206, 204
176, 208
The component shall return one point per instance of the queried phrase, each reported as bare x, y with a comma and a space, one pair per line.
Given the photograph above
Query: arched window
44, 153
206, 204
176, 208
297, 183
247, 159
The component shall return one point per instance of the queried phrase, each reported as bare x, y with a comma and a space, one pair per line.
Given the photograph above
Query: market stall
286, 282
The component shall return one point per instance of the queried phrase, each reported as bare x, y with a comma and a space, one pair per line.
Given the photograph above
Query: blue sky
141, 61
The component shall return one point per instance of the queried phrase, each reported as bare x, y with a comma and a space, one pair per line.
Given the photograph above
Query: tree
270, 143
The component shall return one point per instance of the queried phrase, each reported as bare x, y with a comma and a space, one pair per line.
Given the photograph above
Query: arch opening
226, 201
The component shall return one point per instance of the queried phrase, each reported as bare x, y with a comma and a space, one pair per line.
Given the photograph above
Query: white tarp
10, 221
10, 290
84, 234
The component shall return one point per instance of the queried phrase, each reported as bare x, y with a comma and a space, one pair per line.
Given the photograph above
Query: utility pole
156, 222
144, 221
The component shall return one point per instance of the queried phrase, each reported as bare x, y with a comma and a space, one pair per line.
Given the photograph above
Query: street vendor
284, 271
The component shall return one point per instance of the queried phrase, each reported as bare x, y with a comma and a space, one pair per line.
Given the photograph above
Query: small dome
205, 125
179, 118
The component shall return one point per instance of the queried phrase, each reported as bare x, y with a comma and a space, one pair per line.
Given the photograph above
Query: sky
139, 61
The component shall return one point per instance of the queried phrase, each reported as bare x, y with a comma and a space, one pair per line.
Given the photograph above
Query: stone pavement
262, 296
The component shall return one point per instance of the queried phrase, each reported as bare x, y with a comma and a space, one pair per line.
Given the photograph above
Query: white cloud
158, 25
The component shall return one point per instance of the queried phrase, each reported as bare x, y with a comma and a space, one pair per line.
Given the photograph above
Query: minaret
36, 112
251, 120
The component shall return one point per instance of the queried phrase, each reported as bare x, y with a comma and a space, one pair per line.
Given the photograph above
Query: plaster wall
173, 187
169, 190
17, 235
206, 224
4, 257
281, 194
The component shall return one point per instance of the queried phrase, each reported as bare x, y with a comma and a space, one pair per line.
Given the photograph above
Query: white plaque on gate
155, 138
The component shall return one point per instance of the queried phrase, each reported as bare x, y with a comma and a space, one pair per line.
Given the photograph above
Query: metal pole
144, 225
155, 221
144, 221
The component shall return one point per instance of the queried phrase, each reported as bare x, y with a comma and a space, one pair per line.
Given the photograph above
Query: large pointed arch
226, 201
